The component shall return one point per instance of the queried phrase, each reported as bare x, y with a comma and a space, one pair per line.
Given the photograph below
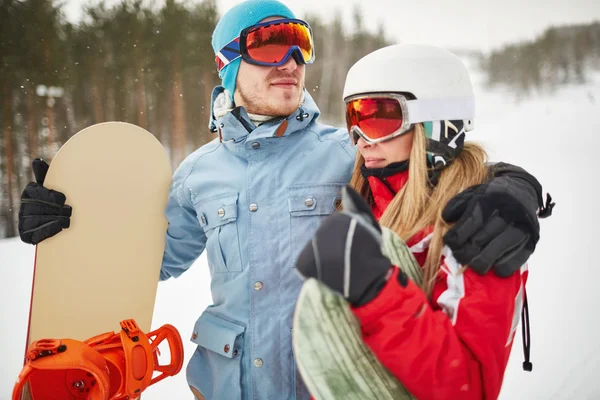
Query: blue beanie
240, 17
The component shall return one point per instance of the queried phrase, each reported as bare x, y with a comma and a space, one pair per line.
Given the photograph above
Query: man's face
272, 91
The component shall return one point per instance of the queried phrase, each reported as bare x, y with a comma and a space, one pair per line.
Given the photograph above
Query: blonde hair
418, 205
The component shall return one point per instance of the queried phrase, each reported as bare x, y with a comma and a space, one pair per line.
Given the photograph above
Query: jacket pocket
308, 206
218, 359
218, 217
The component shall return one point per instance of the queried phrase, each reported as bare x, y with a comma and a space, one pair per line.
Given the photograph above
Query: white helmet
435, 77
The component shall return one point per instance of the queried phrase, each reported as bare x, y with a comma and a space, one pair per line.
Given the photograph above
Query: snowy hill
554, 137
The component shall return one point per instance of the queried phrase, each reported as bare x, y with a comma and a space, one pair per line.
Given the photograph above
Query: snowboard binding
110, 366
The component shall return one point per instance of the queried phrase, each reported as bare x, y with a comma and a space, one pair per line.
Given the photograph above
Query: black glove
497, 222
43, 212
345, 253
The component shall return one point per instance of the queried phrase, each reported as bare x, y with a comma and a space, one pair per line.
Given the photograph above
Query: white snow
553, 136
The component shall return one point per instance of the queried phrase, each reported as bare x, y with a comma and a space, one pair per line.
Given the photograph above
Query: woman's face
382, 154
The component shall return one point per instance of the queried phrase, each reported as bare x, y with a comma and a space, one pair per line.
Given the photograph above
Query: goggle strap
228, 54
449, 108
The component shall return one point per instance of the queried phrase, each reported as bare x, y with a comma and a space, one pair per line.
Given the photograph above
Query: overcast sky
473, 24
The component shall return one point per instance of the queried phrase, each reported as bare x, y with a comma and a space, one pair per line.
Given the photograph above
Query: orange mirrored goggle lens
271, 43
375, 117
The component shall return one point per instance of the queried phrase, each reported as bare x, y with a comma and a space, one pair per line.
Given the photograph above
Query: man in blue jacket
252, 197
256, 194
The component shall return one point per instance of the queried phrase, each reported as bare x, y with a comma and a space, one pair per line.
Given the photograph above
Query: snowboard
105, 267
331, 356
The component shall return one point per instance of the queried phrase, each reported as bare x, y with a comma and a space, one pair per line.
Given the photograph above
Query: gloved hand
345, 253
43, 212
496, 223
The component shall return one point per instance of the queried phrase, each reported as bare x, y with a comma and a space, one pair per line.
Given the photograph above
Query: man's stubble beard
254, 105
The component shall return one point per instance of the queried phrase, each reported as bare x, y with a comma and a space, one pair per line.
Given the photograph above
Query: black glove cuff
373, 290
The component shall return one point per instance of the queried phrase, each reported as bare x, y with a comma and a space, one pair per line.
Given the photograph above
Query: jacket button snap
256, 145
309, 202
221, 212
258, 363
253, 207
226, 348
258, 286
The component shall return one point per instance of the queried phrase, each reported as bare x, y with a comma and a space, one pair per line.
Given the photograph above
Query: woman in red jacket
408, 108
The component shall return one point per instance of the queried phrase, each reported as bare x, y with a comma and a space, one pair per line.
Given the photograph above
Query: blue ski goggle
270, 44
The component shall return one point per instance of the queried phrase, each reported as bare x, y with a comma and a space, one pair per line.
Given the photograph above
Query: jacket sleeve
457, 349
185, 238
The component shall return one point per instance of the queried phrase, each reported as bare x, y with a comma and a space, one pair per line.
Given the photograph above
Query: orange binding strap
110, 366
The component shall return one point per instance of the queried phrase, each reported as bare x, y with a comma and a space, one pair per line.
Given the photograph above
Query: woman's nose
362, 144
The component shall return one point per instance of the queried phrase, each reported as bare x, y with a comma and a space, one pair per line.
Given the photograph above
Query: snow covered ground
553, 136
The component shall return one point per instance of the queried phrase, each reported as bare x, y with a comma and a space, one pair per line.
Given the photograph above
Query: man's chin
285, 104
287, 109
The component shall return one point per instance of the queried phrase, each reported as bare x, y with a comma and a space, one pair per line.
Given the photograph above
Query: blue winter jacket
253, 199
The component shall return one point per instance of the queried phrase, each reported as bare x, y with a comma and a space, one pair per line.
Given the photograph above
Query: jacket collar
384, 189
236, 124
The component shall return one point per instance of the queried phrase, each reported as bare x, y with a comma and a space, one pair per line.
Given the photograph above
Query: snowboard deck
332, 358
105, 267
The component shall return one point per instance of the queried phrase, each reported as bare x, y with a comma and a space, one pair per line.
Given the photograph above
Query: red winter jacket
455, 346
